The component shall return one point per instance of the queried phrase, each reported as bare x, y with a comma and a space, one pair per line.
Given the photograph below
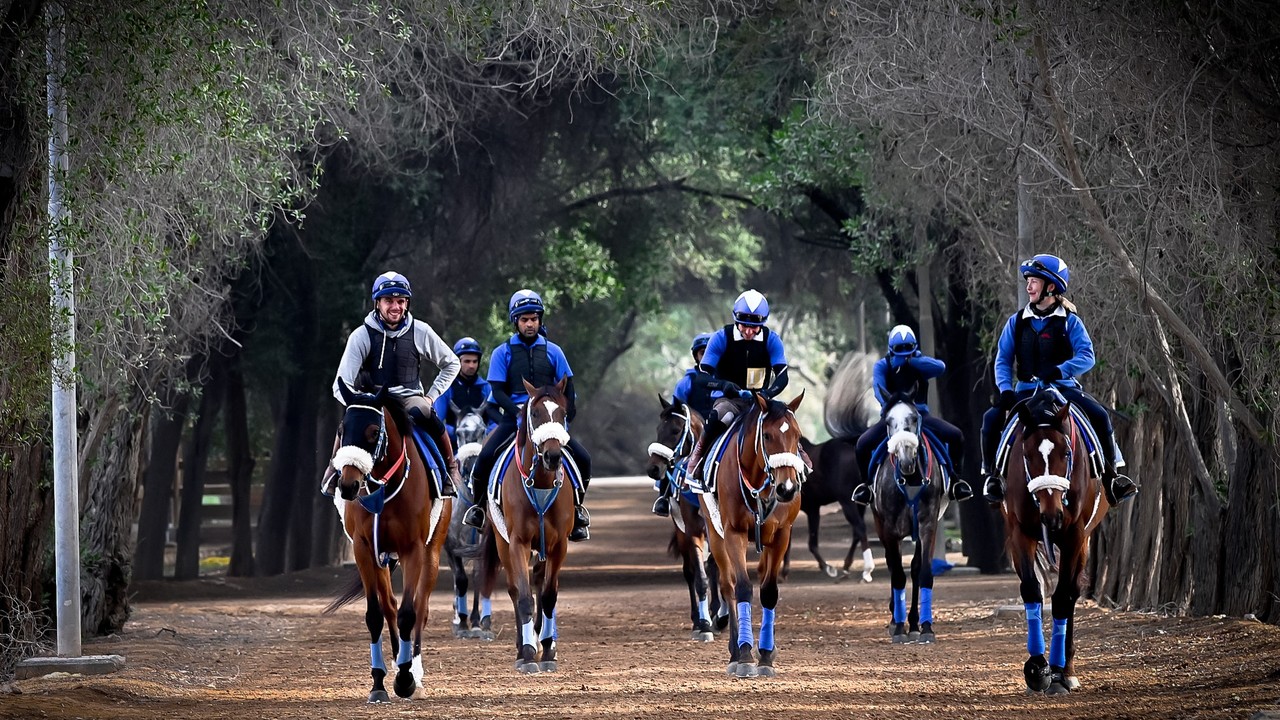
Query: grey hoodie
429, 346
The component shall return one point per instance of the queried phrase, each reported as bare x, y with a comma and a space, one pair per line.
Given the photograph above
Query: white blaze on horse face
784, 427
1046, 447
551, 407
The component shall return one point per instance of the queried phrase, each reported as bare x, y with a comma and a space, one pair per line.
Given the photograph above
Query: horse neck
542, 477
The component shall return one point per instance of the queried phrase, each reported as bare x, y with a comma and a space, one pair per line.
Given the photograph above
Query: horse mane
849, 406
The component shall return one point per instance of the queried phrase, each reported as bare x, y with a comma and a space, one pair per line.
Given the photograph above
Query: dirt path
219, 648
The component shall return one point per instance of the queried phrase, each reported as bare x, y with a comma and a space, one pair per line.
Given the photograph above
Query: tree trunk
157, 486
328, 539
240, 464
278, 493
194, 464
111, 475
306, 481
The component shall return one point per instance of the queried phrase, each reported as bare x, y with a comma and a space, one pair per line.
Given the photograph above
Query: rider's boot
710, 432
329, 480
581, 523
862, 494
451, 480
992, 488
474, 516
1118, 486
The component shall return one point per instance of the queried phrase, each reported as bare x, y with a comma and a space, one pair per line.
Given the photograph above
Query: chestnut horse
534, 519
1051, 501
678, 429
756, 497
392, 512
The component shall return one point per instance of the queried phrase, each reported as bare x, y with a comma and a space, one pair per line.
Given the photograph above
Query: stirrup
474, 517
329, 484
662, 506
993, 490
1119, 488
862, 494
960, 490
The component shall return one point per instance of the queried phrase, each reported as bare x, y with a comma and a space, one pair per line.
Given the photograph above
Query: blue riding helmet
902, 341
467, 345
751, 308
391, 284
523, 303
1049, 268
700, 341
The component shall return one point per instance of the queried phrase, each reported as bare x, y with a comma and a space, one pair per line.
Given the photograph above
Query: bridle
760, 503
375, 489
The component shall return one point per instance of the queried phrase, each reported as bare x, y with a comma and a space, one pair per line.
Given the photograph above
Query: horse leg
913, 615
767, 571
426, 583
717, 603
488, 572
461, 623
691, 567
547, 605
738, 582
379, 606
898, 585
815, 523
407, 623
518, 587
922, 579
858, 523
1064, 608
1035, 671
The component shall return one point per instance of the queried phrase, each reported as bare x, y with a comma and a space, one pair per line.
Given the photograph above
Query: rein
540, 499
761, 508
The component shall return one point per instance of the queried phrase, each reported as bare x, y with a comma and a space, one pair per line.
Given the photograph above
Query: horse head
367, 446
902, 427
545, 423
678, 430
774, 449
1047, 457
471, 427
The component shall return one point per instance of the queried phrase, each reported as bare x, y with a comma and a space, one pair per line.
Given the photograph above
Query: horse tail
353, 590
849, 406
673, 547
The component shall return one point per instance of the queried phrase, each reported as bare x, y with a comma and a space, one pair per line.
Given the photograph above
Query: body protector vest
1035, 351
467, 395
745, 362
391, 360
899, 379
528, 363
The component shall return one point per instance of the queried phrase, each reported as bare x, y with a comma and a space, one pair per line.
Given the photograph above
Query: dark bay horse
835, 473
910, 499
678, 429
756, 497
392, 512
463, 545
534, 521
1052, 501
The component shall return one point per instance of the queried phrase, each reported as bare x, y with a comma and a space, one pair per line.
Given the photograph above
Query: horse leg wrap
899, 605
406, 652
549, 627
460, 604
744, 623
1035, 629
766, 629
486, 607
1058, 644
703, 609
926, 605
526, 634
375, 657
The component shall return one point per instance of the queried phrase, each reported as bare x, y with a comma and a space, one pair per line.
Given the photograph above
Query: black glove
1007, 400
730, 389
1051, 373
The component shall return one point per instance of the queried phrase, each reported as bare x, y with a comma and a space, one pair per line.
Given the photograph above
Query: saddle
1082, 425
507, 455
705, 483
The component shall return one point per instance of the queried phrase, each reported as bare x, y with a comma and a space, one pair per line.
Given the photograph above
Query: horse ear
345, 391
380, 400
564, 383
795, 402
761, 401
529, 389
665, 405
453, 407
1064, 413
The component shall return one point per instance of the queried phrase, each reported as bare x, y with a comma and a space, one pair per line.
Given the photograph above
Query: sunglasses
749, 318
903, 347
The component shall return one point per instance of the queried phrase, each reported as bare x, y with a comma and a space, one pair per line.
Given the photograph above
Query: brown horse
756, 496
679, 427
1051, 501
535, 518
392, 512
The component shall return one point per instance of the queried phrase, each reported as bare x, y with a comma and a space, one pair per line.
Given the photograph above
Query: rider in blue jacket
693, 390
469, 391
527, 355
903, 368
1046, 342
743, 357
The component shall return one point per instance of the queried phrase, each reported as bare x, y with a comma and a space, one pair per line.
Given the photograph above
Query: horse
463, 544
678, 429
834, 475
534, 519
1052, 501
910, 498
392, 512
755, 496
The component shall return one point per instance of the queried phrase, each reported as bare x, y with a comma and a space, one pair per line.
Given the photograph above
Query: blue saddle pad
428, 450
507, 456
938, 448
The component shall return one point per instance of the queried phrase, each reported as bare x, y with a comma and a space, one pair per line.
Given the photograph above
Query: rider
468, 391
387, 351
742, 357
903, 368
1046, 341
692, 390
528, 355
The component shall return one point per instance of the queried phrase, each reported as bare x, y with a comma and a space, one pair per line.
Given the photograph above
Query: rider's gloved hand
1007, 400
1051, 373
744, 393
731, 389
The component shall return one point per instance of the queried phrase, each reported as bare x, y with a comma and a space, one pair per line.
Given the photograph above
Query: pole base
83, 665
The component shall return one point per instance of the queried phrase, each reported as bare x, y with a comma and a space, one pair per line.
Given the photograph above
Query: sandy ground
259, 648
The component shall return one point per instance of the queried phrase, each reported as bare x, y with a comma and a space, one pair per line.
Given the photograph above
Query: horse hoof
528, 668
722, 622
702, 636
378, 697
746, 670
405, 687
548, 666
1057, 689
766, 671
830, 571
1035, 671
866, 576
1072, 682
927, 638
485, 635
900, 638
462, 633
732, 669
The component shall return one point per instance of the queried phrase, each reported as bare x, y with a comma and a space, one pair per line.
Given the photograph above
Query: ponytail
1070, 306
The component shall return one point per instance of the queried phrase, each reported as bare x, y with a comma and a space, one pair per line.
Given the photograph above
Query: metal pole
66, 501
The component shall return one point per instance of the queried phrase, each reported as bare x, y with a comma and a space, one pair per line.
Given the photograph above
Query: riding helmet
1049, 268
751, 308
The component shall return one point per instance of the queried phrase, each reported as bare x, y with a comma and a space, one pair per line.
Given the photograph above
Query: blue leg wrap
1058, 644
460, 604
1035, 629
486, 607
406, 652
766, 629
526, 634
926, 605
375, 657
744, 623
704, 609
549, 627
899, 605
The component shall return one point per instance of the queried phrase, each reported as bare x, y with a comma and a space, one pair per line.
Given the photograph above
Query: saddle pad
707, 483
505, 457
1083, 426
428, 450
